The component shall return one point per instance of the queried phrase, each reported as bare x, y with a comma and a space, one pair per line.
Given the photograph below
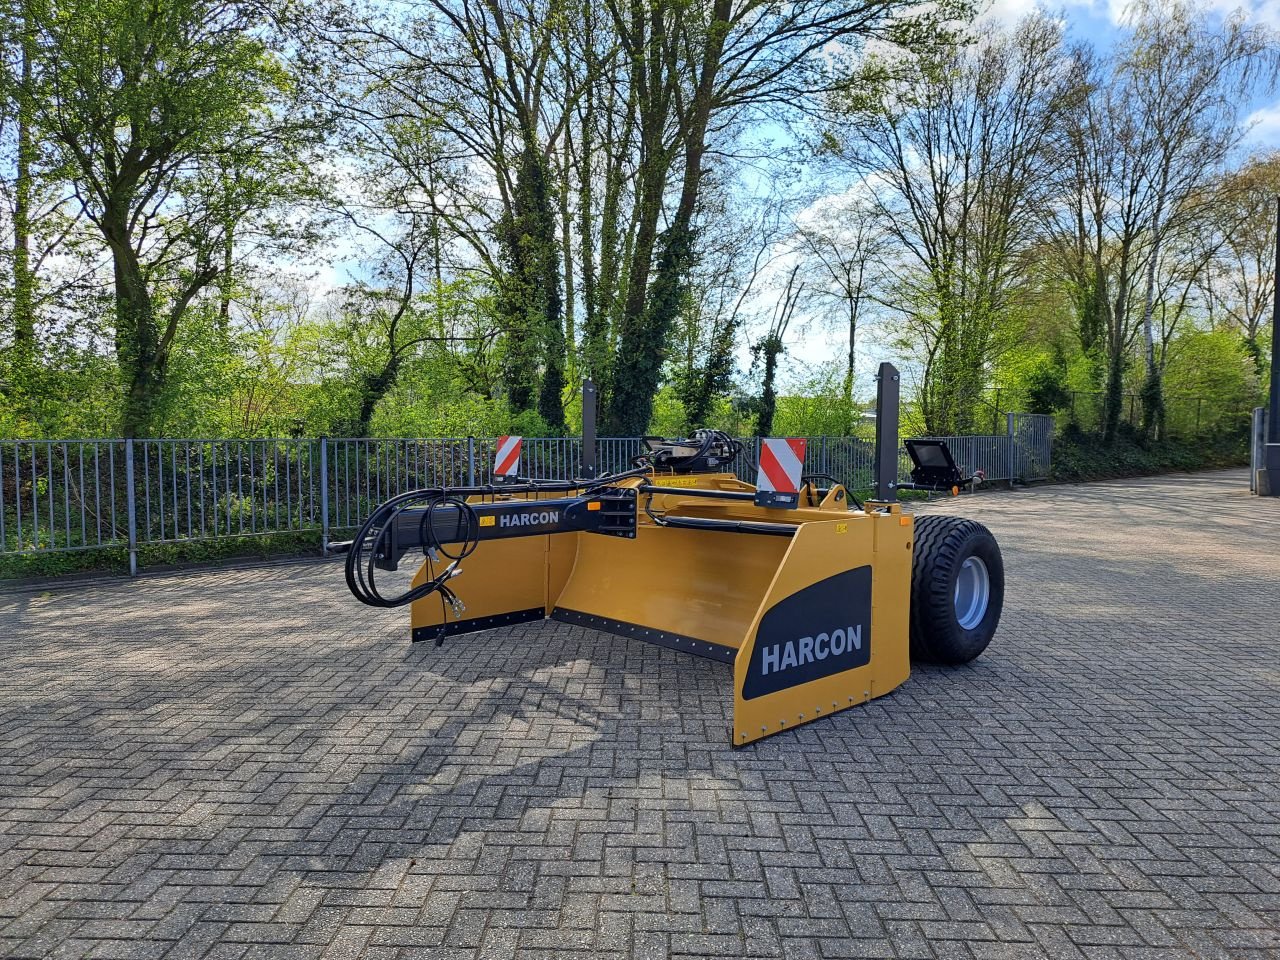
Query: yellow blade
831, 631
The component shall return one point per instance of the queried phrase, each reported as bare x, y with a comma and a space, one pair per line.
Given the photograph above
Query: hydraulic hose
374, 534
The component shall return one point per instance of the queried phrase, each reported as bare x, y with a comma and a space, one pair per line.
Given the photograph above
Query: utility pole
1269, 475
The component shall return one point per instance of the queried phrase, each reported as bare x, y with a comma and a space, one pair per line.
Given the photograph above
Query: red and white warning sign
506, 460
781, 464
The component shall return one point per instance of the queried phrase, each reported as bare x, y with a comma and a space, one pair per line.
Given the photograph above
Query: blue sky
1100, 22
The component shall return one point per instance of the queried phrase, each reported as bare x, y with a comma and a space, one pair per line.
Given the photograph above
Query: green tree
34, 197
842, 246
1240, 282
955, 147
1186, 77
18, 27
770, 348
697, 69
529, 297
463, 108
150, 106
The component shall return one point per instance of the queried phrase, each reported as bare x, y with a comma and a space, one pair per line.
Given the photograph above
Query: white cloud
1263, 126
1116, 12
1008, 12
1264, 12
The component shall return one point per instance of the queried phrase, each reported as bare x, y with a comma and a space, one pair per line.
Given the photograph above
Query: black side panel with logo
822, 630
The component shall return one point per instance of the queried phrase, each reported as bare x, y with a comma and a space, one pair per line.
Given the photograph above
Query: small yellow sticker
675, 481
842, 528
488, 521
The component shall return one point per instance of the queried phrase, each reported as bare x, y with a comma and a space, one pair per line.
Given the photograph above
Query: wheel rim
973, 592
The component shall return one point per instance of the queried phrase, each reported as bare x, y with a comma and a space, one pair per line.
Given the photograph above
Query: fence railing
77, 495
1187, 416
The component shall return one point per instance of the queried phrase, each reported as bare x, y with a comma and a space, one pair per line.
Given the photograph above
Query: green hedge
1079, 456
116, 559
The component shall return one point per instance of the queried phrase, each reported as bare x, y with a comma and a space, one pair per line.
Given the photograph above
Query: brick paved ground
241, 763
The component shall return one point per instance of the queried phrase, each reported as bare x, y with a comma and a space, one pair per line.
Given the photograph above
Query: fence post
324, 495
588, 429
1011, 431
886, 469
131, 506
471, 461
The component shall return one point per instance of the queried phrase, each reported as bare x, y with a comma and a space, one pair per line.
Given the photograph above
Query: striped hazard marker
781, 464
506, 459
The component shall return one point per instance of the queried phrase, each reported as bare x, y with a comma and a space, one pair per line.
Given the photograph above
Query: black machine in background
934, 468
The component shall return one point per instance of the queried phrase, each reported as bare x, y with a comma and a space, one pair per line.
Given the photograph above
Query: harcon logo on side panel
821, 630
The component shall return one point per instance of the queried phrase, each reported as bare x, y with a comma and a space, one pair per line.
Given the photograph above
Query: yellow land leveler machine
817, 600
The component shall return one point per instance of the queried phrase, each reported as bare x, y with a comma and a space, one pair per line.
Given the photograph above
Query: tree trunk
142, 351
1113, 399
142, 369
704, 381
768, 397
224, 299
635, 353
847, 389
943, 383
1152, 387
569, 339
551, 394
24, 329
642, 346
530, 300
595, 346
373, 388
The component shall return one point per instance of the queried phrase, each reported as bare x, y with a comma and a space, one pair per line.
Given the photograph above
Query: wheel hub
973, 592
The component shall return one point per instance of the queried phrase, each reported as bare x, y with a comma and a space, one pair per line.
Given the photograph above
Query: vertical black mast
1273, 430
1269, 475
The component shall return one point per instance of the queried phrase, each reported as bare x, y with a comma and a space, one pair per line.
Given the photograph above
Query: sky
812, 346
1100, 22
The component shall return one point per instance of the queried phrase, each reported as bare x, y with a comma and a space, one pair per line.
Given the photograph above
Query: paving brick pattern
247, 763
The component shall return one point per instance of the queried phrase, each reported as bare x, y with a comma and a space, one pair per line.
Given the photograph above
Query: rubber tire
942, 544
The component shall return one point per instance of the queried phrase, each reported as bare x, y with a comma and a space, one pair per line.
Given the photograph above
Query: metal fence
1186, 416
1257, 445
75, 495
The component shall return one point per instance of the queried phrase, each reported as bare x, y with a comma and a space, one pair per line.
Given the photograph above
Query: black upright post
588, 429
1269, 475
887, 432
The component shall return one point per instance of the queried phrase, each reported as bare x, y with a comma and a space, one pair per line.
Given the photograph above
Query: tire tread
938, 541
